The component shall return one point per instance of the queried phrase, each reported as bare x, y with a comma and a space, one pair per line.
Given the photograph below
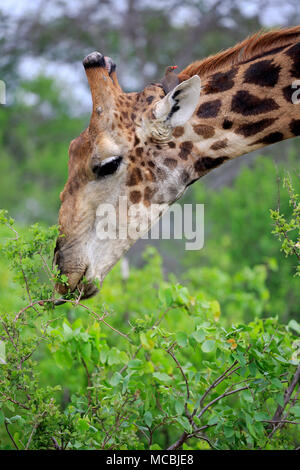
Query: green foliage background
234, 304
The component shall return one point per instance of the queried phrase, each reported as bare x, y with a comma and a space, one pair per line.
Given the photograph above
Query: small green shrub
154, 365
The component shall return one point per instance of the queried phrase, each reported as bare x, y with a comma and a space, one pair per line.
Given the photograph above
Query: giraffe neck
244, 108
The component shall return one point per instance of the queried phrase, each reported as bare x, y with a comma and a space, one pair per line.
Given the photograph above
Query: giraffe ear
176, 108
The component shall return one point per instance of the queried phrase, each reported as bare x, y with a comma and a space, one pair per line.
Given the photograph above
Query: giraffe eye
107, 167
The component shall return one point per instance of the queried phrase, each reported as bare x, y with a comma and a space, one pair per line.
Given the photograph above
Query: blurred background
48, 104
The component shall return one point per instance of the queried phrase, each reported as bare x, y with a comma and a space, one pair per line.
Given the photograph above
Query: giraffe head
126, 160
146, 148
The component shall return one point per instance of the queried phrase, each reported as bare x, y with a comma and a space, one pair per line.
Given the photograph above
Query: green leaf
247, 396
113, 356
86, 350
162, 377
261, 416
213, 420
115, 379
281, 359
68, 332
168, 296
294, 326
181, 339
155, 447
184, 422
2, 353
103, 355
249, 423
148, 418
279, 397
296, 411
228, 431
134, 364
83, 425
179, 407
208, 346
199, 335
63, 359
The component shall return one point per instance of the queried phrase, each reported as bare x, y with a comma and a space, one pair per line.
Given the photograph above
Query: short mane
249, 49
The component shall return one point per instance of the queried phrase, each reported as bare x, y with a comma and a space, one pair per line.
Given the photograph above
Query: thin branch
185, 379
36, 425
11, 438
217, 381
55, 443
18, 403
185, 436
225, 394
282, 421
88, 380
287, 395
73, 302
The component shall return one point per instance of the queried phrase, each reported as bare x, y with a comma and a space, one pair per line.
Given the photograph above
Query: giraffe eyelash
107, 167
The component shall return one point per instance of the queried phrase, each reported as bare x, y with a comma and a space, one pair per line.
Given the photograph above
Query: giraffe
149, 146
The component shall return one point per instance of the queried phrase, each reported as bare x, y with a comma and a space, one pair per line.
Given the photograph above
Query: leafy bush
238, 231
157, 368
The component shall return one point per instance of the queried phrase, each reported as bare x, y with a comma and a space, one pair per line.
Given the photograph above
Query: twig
88, 380
185, 436
56, 445
73, 302
36, 425
11, 438
287, 395
185, 379
217, 381
18, 403
225, 394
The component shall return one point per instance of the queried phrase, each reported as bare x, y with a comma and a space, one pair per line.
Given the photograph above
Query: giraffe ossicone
149, 146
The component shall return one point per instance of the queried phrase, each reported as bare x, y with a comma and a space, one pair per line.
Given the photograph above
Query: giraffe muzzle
96, 59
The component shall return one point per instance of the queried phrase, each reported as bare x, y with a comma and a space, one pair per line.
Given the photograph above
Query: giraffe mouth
85, 291
76, 280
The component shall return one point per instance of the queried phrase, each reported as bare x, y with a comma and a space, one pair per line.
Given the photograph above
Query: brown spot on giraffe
220, 144
288, 93
227, 124
205, 131
295, 126
220, 82
135, 177
148, 193
209, 109
253, 128
269, 139
135, 197
178, 131
139, 151
204, 164
185, 149
294, 53
263, 73
247, 104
